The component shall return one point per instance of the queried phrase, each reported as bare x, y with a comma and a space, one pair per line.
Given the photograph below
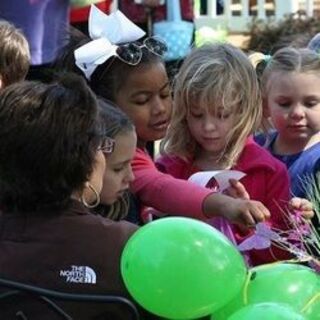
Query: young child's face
293, 102
146, 98
210, 129
118, 173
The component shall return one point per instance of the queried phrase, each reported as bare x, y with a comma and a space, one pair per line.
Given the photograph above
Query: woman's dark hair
49, 134
109, 77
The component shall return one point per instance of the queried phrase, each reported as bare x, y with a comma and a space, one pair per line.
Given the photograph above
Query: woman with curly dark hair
51, 171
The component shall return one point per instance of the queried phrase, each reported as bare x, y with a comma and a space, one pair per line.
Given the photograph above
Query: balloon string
310, 302
271, 264
246, 286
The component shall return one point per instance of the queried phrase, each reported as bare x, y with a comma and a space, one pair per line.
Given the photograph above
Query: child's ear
1, 83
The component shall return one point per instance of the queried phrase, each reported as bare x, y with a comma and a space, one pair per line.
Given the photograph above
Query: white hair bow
106, 31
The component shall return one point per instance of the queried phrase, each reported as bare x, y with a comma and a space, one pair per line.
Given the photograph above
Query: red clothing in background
137, 14
82, 14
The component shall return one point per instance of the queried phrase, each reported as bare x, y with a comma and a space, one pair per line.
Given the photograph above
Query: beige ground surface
238, 40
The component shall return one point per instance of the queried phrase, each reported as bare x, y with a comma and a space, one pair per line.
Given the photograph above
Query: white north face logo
79, 274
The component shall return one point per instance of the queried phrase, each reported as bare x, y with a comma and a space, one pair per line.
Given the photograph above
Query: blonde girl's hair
215, 75
286, 60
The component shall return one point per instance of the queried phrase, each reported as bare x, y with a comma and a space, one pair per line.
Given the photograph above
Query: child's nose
129, 175
158, 105
209, 125
297, 112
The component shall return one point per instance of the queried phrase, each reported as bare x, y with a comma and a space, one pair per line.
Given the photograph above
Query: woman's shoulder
79, 220
101, 225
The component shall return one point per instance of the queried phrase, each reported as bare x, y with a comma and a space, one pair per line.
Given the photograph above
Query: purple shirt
302, 166
44, 23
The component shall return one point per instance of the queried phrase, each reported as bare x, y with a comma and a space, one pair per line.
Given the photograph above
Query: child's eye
118, 169
311, 103
284, 104
141, 101
165, 94
196, 115
223, 116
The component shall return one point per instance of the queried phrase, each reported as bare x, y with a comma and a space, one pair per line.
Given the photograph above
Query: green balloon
292, 284
181, 268
312, 309
234, 305
266, 311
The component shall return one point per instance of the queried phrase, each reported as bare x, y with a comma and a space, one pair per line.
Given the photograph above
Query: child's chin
159, 136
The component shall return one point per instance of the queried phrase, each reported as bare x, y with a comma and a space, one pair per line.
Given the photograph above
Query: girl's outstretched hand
252, 211
246, 212
302, 205
241, 211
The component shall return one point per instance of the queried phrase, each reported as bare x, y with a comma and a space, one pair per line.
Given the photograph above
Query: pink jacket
267, 180
164, 193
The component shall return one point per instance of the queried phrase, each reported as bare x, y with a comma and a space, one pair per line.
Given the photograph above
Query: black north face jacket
72, 251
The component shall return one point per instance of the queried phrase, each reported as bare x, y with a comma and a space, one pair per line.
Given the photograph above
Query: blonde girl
217, 107
290, 85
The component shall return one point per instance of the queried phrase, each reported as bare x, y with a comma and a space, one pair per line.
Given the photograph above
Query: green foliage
295, 30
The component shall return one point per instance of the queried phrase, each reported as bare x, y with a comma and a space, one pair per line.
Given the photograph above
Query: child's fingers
254, 213
306, 210
231, 192
302, 205
245, 212
295, 203
248, 220
307, 214
306, 205
238, 189
261, 213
